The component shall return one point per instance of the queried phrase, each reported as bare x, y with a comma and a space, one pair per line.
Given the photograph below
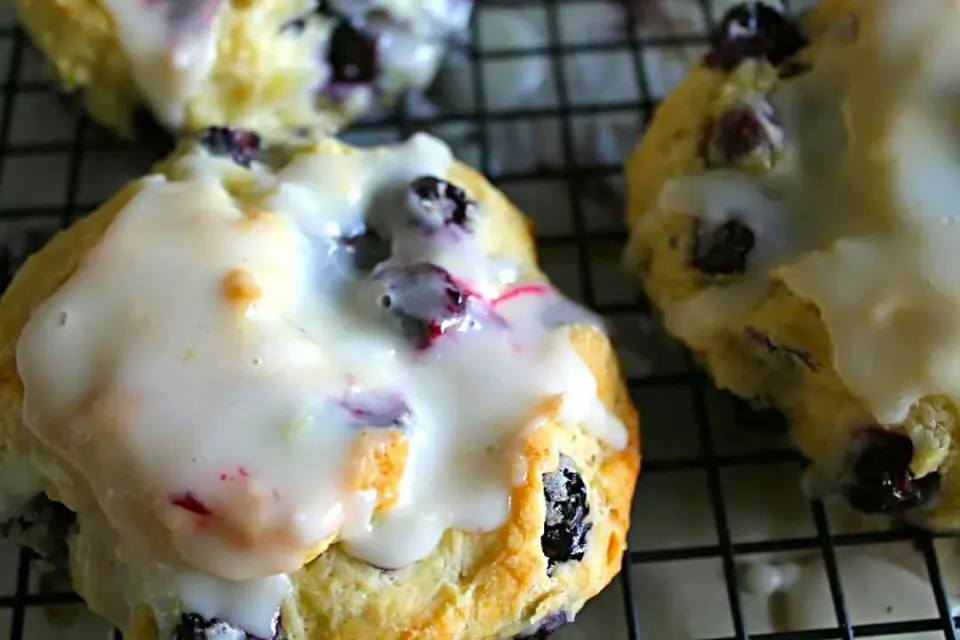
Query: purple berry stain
189, 502
376, 409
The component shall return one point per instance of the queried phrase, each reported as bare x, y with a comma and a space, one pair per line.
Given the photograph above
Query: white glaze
204, 431
866, 228
169, 57
876, 590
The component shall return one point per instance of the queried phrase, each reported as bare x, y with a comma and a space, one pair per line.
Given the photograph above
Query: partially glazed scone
793, 214
273, 66
313, 392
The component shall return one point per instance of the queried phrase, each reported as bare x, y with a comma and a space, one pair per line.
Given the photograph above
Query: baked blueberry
366, 248
425, 300
436, 203
754, 30
722, 249
565, 529
192, 626
353, 55
881, 480
547, 626
242, 147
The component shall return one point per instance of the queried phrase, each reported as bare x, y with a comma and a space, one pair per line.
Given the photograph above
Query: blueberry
565, 529
366, 248
436, 203
881, 480
754, 30
44, 526
374, 409
739, 133
425, 300
353, 55
243, 147
547, 626
195, 627
722, 249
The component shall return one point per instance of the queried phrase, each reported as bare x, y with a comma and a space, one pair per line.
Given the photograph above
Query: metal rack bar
709, 460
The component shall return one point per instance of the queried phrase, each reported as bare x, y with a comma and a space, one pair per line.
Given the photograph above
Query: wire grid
86, 138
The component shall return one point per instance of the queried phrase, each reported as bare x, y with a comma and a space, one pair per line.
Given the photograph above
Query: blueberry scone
273, 66
309, 391
793, 213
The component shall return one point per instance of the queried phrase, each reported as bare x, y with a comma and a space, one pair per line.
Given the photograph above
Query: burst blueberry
436, 203
566, 528
243, 147
192, 626
721, 249
425, 300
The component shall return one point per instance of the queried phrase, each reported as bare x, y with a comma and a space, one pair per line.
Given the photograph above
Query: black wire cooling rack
571, 175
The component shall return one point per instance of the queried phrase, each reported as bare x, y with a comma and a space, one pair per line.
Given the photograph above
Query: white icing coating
211, 377
171, 48
864, 222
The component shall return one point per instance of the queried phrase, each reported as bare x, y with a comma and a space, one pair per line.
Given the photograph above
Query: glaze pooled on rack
228, 387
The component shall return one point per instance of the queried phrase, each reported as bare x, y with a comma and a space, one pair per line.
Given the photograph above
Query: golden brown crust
780, 353
472, 586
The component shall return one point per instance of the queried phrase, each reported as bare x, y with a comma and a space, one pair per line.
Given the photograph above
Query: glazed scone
274, 66
313, 392
793, 217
